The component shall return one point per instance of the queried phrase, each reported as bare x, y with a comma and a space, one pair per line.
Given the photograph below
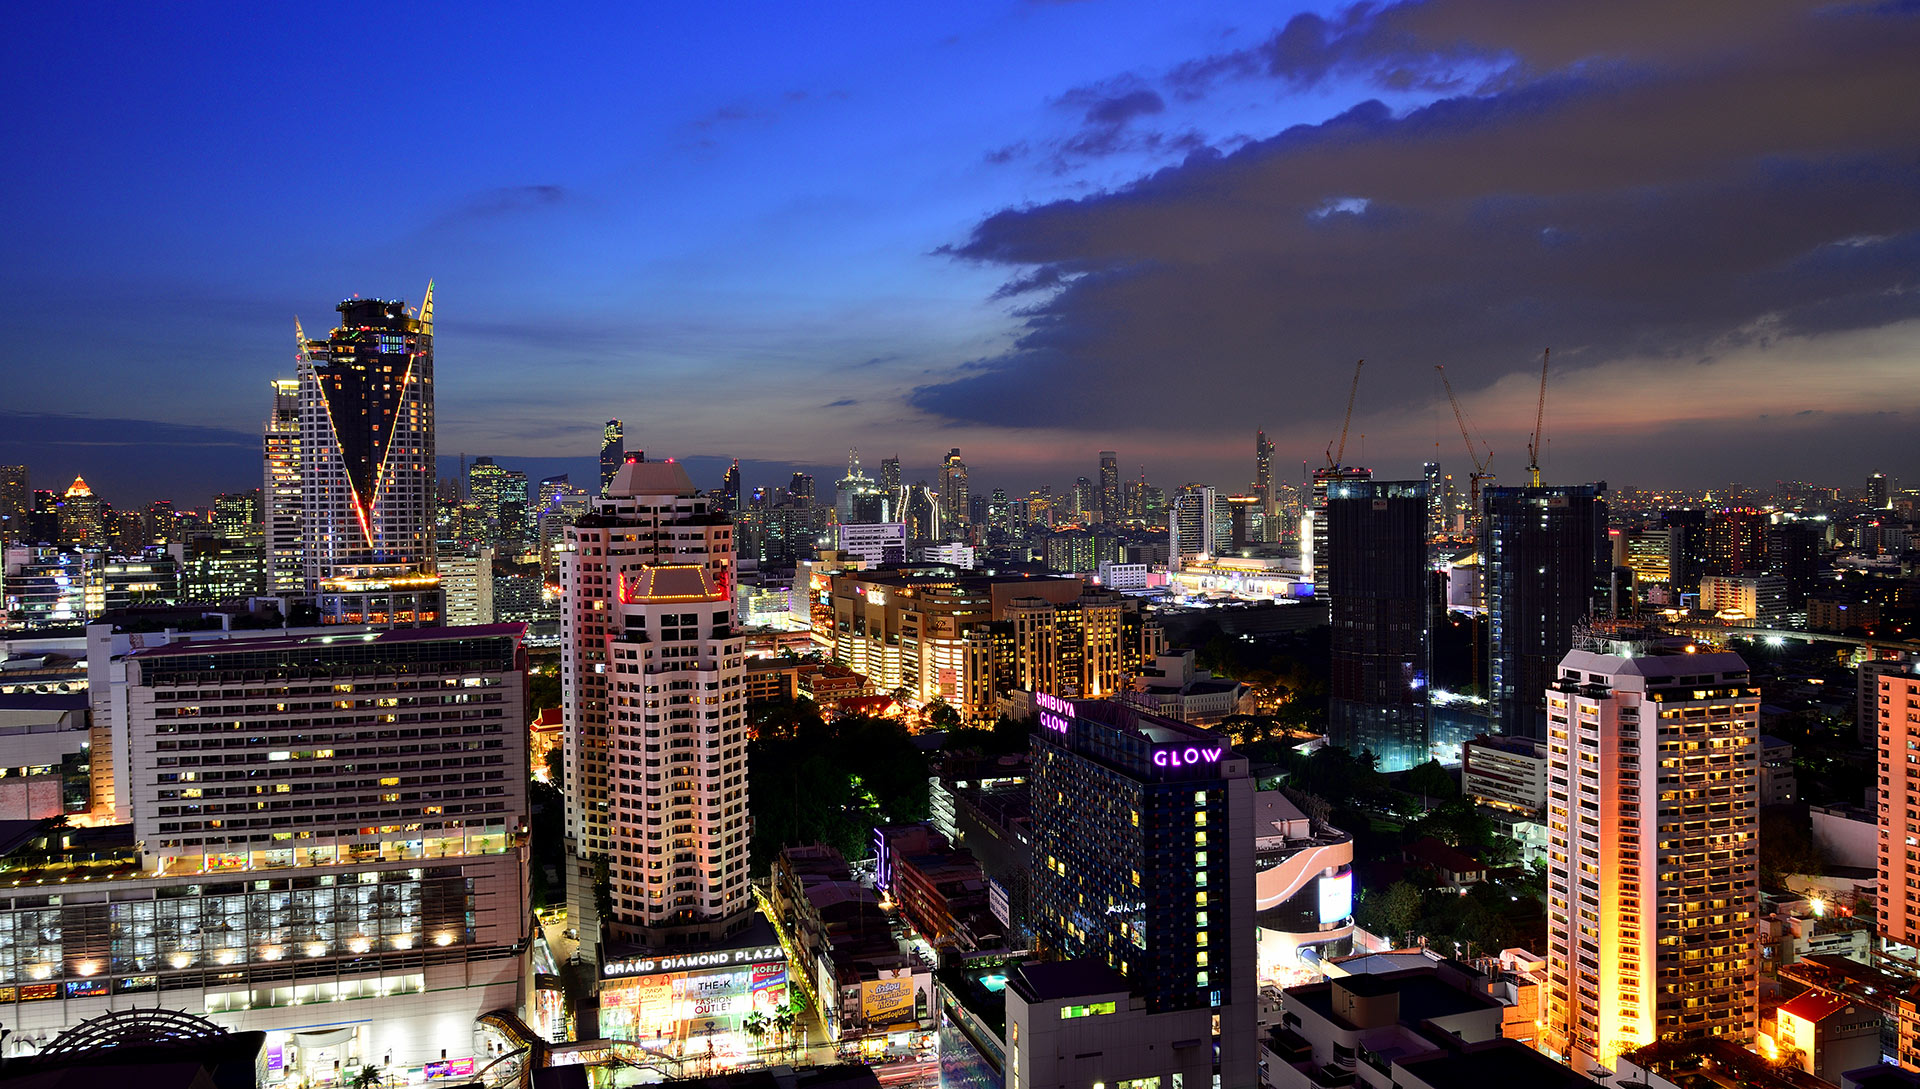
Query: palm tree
755, 1026
784, 1021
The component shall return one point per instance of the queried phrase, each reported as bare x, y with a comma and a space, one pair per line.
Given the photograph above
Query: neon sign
1180, 758
1053, 722
1055, 712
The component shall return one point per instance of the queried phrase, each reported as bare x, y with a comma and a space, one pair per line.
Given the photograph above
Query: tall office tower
280, 493
730, 489
1736, 542
1190, 527
1547, 568
491, 486
656, 734
376, 869
921, 512
801, 489
1263, 485
1313, 536
1000, 512
613, 452
1653, 764
1436, 510
468, 576
1794, 554
16, 502
1879, 492
858, 498
1086, 501
1110, 510
366, 465
1382, 613
236, 515
1143, 861
82, 517
890, 476
1245, 524
159, 521
956, 505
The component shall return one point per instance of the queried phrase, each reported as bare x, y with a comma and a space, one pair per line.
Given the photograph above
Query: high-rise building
730, 489
1382, 614
656, 734
236, 515
1263, 486
1313, 536
280, 492
82, 517
613, 452
1794, 555
1736, 542
1653, 850
1191, 526
16, 502
1879, 492
956, 504
367, 465
858, 498
1110, 509
801, 489
468, 577
890, 476
1893, 687
1547, 567
1144, 862
384, 882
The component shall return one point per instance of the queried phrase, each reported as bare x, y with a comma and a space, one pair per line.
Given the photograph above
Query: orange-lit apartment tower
1653, 878
1898, 699
654, 702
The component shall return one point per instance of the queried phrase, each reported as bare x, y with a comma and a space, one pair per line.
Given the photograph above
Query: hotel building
313, 820
654, 699
1652, 872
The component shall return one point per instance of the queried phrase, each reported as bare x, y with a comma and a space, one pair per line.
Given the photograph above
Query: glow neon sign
1054, 711
1180, 758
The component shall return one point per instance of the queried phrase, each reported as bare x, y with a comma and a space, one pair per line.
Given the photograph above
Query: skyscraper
613, 451
656, 736
1891, 689
1879, 493
367, 464
890, 476
1314, 537
956, 505
16, 502
1653, 850
82, 517
730, 488
1110, 510
1190, 526
1263, 485
1547, 566
1382, 613
1143, 861
801, 489
280, 491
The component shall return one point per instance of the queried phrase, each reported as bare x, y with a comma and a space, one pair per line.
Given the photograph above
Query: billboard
1336, 897
890, 1001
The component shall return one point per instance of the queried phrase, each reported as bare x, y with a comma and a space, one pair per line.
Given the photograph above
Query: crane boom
1539, 418
1460, 418
1339, 457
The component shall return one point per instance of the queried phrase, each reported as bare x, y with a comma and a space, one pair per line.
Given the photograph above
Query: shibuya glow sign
1055, 713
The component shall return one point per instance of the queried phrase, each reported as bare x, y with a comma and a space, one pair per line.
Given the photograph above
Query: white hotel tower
1652, 877
655, 712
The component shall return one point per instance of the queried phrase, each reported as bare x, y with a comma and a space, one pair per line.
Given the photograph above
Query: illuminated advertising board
1336, 898
891, 1001
1056, 714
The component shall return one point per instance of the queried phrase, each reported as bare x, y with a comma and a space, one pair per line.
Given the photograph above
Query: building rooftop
1815, 1005
43, 701
1051, 981
1423, 995
651, 478
291, 642
1493, 1063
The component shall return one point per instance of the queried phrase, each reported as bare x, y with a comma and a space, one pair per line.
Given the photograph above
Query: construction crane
1480, 473
1539, 418
1480, 464
1336, 458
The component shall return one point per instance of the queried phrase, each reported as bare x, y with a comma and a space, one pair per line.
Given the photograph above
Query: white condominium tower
1653, 879
280, 492
366, 465
655, 711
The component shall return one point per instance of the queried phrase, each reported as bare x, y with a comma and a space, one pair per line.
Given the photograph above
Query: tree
942, 716
1431, 781
368, 1078
1400, 912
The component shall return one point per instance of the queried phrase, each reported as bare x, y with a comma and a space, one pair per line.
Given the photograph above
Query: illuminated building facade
1382, 610
1314, 534
1896, 695
1547, 568
1653, 851
281, 497
82, 519
16, 502
613, 452
1110, 509
1143, 856
654, 700
1263, 485
357, 893
955, 503
1303, 890
366, 465
1191, 526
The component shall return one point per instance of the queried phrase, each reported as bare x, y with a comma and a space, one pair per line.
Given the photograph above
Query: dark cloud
506, 201
1639, 179
1107, 111
844, 402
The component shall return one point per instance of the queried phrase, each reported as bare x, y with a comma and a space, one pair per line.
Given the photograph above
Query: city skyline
1011, 286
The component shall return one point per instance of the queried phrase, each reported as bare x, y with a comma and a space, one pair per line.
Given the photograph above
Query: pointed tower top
299, 341
426, 310
78, 488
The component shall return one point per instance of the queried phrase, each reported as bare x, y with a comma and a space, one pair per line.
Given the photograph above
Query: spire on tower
426, 310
